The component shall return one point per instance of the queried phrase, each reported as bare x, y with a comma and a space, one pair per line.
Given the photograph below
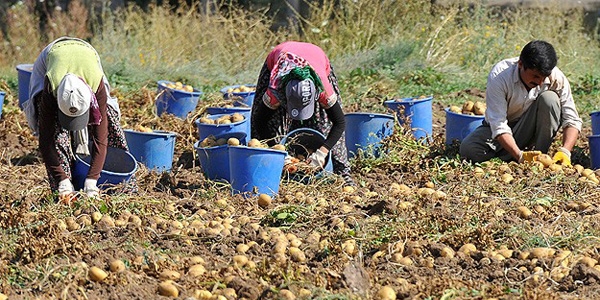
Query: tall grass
378, 48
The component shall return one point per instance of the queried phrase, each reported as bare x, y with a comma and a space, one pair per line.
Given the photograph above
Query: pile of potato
180, 86
241, 89
142, 128
471, 108
212, 141
224, 119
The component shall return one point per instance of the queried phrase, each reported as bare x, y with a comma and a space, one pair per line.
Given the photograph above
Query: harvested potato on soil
97, 274
264, 200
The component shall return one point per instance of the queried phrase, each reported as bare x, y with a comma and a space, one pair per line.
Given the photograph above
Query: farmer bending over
299, 89
69, 99
528, 100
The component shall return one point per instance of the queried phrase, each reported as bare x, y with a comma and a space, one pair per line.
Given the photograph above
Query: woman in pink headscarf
297, 88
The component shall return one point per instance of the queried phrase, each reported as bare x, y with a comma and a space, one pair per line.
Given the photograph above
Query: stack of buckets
365, 132
154, 149
250, 171
174, 101
594, 141
415, 110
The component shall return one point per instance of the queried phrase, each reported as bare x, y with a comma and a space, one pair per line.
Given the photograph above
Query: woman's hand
317, 158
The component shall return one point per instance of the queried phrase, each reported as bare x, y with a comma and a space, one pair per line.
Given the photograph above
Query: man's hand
528, 156
562, 156
90, 188
317, 159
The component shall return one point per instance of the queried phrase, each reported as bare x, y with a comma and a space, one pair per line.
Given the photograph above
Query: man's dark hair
539, 55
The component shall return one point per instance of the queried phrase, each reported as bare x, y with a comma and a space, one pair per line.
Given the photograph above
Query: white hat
74, 97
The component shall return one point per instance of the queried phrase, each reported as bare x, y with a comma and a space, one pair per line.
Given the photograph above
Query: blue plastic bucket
365, 131
23, 77
594, 141
255, 171
303, 141
153, 149
2, 95
118, 167
205, 130
214, 161
416, 111
176, 102
595, 118
458, 125
245, 111
239, 98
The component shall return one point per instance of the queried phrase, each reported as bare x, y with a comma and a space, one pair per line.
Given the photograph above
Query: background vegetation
379, 48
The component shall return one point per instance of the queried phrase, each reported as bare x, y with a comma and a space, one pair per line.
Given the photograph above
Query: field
421, 221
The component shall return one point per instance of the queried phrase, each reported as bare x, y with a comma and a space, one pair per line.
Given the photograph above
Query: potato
541, 252
278, 147
588, 261
254, 143
223, 120
237, 117
447, 252
142, 128
264, 200
479, 108
233, 141
240, 260
297, 255
117, 266
166, 288
506, 178
467, 248
349, 247
455, 109
169, 275
524, 212
286, 295
586, 172
208, 142
196, 270
205, 120
97, 274
555, 167
545, 159
348, 189
467, 107
386, 293
405, 261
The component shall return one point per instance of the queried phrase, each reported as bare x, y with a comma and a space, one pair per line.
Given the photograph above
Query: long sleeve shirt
507, 98
48, 120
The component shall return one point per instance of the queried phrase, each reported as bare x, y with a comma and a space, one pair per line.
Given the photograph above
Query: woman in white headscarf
69, 102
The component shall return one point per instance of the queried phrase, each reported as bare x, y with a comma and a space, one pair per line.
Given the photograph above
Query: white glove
90, 188
65, 187
317, 158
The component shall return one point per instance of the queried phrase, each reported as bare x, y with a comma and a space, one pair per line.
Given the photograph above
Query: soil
352, 242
